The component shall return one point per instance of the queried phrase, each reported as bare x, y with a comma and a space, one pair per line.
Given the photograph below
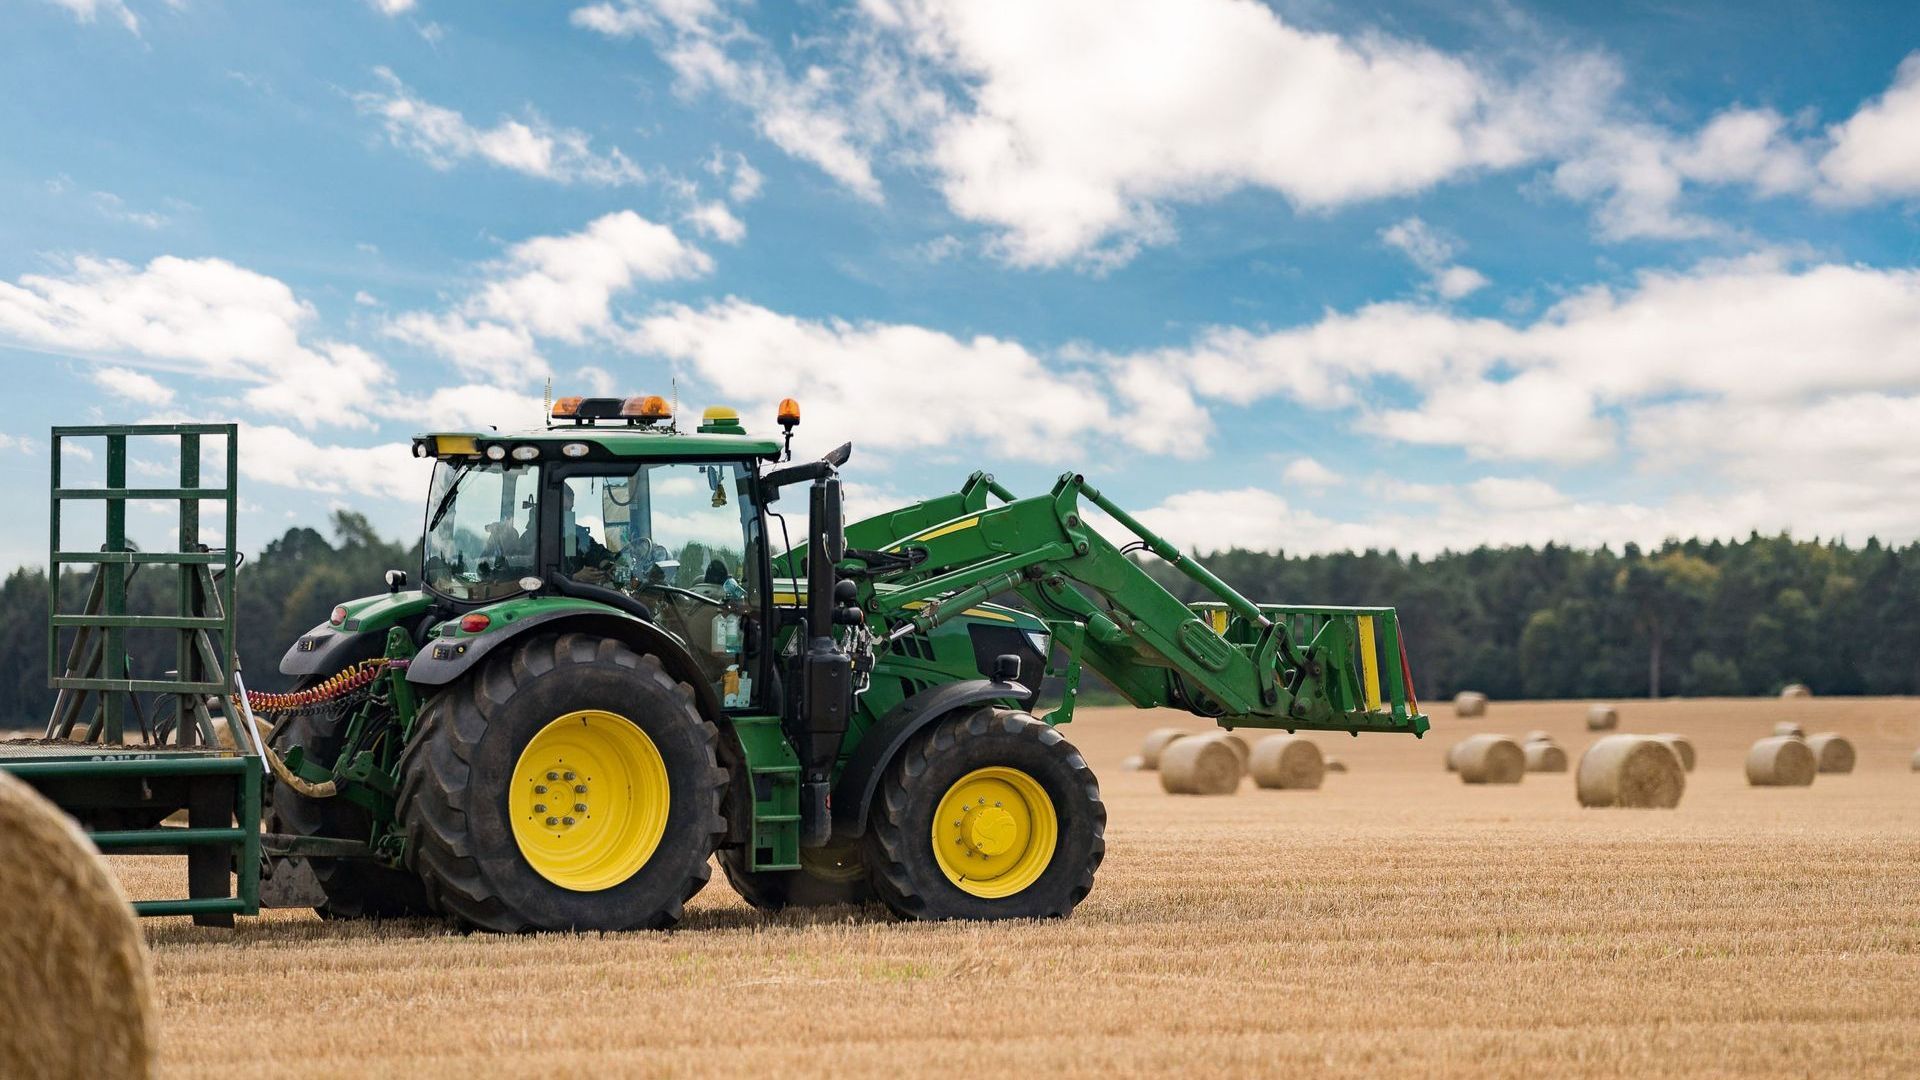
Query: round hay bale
1539, 736
1469, 703
1602, 718
1334, 764
1631, 771
1287, 762
1156, 744
1235, 743
1200, 767
1916, 761
1781, 761
1490, 759
76, 998
1682, 748
1795, 690
1453, 764
1831, 753
1544, 757
1132, 764
1789, 729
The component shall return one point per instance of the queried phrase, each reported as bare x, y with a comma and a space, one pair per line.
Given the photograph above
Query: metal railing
96, 667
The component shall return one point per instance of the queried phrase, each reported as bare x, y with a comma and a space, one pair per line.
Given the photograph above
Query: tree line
1690, 618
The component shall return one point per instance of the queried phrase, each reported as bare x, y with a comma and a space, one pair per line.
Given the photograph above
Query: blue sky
1294, 276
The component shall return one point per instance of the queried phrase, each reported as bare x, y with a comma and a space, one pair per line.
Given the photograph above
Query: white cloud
1750, 330
1434, 253
286, 458
135, 386
1307, 473
208, 316
114, 208
391, 8
1064, 157
1876, 152
818, 116
715, 220
88, 10
900, 387
558, 287
366, 299
743, 180
443, 138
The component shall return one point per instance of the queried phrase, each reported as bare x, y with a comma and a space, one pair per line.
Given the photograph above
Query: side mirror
396, 580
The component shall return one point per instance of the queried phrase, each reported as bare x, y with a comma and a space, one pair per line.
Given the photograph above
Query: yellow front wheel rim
589, 800
994, 832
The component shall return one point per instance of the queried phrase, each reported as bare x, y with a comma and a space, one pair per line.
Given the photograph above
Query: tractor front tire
827, 876
989, 814
349, 888
570, 784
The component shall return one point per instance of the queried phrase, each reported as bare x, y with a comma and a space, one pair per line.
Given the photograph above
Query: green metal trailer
618, 664
123, 791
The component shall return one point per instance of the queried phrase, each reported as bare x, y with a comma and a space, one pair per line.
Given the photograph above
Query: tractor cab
624, 511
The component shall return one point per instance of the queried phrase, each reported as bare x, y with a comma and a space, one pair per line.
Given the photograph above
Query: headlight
525, 453
496, 452
1041, 641
575, 449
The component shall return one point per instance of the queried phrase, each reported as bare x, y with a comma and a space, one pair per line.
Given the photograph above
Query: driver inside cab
582, 556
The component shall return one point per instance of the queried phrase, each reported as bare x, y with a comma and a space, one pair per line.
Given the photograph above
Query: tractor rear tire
474, 833
352, 888
1019, 806
826, 877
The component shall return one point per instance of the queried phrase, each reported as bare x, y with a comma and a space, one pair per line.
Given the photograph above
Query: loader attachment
1231, 659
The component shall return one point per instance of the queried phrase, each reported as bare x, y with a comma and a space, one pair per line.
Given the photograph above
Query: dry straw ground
1395, 921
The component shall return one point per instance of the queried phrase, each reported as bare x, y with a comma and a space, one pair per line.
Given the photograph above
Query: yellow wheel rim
994, 832
589, 800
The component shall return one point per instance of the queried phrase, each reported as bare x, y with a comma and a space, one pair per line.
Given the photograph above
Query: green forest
1690, 618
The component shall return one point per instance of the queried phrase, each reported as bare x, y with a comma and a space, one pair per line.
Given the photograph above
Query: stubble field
1396, 921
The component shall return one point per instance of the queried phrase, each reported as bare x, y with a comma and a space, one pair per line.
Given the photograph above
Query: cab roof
614, 439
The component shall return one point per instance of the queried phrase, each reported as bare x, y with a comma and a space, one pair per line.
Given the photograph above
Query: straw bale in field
1200, 767
1287, 762
1544, 757
76, 997
1682, 748
1602, 718
1789, 729
1133, 764
1156, 744
1781, 761
1235, 743
1796, 690
1334, 764
1539, 736
1831, 753
1469, 703
1635, 771
1489, 759
1916, 761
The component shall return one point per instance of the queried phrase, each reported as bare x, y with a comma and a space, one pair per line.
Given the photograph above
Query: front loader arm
1239, 662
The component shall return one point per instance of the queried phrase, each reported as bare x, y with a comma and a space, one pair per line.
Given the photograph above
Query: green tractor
622, 660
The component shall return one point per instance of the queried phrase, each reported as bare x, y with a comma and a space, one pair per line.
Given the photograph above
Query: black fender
853, 794
326, 649
445, 660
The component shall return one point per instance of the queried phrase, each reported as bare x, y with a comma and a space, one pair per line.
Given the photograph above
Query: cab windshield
481, 529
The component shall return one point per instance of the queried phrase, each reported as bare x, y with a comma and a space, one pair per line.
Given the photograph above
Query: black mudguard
444, 660
853, 794
326, 649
